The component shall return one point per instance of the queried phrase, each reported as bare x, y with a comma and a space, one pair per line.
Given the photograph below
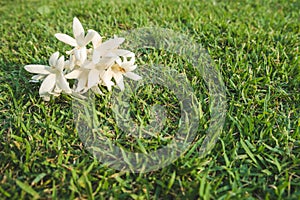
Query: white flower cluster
90, 67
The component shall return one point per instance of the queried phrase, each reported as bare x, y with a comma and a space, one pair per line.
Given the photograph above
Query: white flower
53, 78
79, 41
90, 67
121, 68
81, 74
104, 57
98, 73
107, 48
90, 75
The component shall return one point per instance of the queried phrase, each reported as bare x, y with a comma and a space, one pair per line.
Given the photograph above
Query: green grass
255, 45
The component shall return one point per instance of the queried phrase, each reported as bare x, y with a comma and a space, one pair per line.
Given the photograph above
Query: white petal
124, 53
119, 61
74, 74
132, 60
82, 82
108, 84
48, 84
106, 79
53, 59
77, 55
56, 91
88, 65
69, 64
80, 40
128, 67
55, 94
36, 78
63, 84
89, 36
96, 90
77, 28
97, 39
118, 76
80, 54
66, 39
60, 63
96, 56
119, 80
45, 97
106, 62
103, 65
77, 95
83, 54
37, 69
98, 53
94, 78
132, 76
109, 53
106, 76
111, 44
70, 52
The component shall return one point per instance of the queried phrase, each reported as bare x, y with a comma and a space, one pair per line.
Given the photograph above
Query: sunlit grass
254, 44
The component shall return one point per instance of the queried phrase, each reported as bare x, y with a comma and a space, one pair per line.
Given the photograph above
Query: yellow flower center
117, 67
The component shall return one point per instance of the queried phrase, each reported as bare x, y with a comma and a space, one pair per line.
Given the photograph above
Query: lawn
254, 45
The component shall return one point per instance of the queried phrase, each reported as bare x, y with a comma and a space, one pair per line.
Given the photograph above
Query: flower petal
82, 82
119, 80
53, 59
107, 76
48, 84
112, 43
57, 90
119, 61
37, 69
36, 78
123, 52
66, 39
105, 63
97, 39
77, 28
96, 56
132, 60
77, 95
89, 36
88, 65
96, 90
80, 54
106, 79
83, 54
45, 97
63, 84
132, 76
70, 52
128, 67
94, 78
108, 84
70, 64
78, 32
60, 63
120, 83
74, 74
105, 47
